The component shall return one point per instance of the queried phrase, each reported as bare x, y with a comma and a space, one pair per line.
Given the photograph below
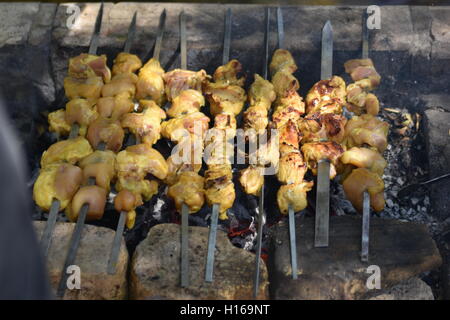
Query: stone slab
401, 250
92, 258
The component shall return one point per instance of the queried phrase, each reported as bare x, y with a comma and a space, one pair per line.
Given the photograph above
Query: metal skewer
184, 207
261, 213
323, 171
366, 198
117, 241
54, 210
76, 238
216, 207
160, 34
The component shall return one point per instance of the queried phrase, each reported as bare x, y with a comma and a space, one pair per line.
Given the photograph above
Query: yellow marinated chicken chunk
150, 84
224, 98
189, 190
177, 129
327, 96
86, 66
70, 151
56, 181
57, 123
90, 88
126, 63
317, 151
367, 130
228, 74
188, 101
178, 80
251, 180
145, 188
147, 124
99, 165
294, 195
120, 84
282, 60
81, 112
261, 93
365, 158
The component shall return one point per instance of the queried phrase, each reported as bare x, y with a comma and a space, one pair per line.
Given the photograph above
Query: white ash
157, 209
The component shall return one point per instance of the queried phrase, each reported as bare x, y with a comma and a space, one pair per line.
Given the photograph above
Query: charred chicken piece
316, 151
228, 74
139, 160
327, 96
251, 180
219, 188
85, 66
224, 98
95, 196
256, 118
367, 130
101, 166
189, 189
289, 136
292, 107
365, 158
361, 180
121, 83
70, 151
284, 84
145, 125
294, 195
360, 69
107, 131
188, 101
57, 123
90, 88
282, 60
126, 63
177, 129
291, 168
56, 181
150, 84
318, 127
81, 112
178, 80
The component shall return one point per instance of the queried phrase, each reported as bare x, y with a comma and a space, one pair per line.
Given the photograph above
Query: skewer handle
212, 244
184, 246
46, 239
117, 242
365, 228
293, 242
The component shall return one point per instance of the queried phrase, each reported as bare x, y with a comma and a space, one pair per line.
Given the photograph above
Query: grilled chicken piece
284, 84
56, 181
126, 63
150, 84
294, 195
90, 88
121, 83
360, 69
261, 93
318, 127
179, 128
228, 74
140, 187
360, 101
327, 96
365, 158
107, 131
256, 118
95, 196
139, 160
70, 151
291, 168
115, 107
316, 151
227, 122
186, 156
57, 123
282, 60
189, 189
224, 98
219, 188
188, 101
292, 107
361, 180
218, 151
127, 201
81, 112
145, 125
267, 154
367, 130
178, 80
251, 180
101, 166
289, 136
86, 66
